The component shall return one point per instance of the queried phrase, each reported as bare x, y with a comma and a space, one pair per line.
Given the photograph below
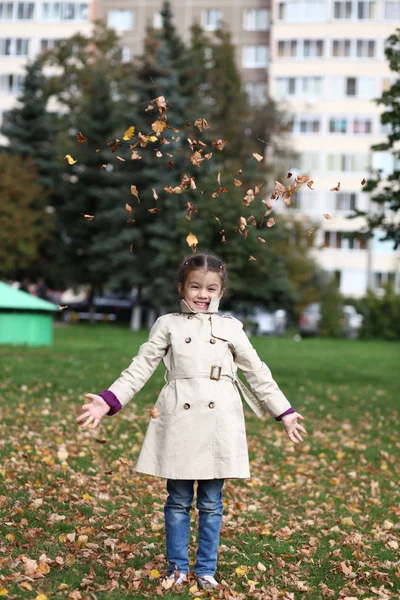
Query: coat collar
212, 307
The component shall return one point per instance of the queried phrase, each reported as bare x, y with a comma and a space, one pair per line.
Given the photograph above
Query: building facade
248, 20
28, 28
327, 66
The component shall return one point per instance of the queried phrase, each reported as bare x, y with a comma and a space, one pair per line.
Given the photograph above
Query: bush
332, 319
381, 315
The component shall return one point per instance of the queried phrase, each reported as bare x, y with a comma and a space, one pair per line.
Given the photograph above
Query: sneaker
207, 582
180, 580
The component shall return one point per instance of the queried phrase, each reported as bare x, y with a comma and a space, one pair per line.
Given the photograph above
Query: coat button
188, 340
190, 317
213, 341
186, 406
211, 405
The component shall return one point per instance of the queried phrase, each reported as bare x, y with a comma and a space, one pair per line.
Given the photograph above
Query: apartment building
248, 20
327, 65
28, 28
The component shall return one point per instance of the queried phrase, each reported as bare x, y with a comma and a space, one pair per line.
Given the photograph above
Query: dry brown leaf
302, 178
158, 154
121, 159
219, 178
158, 127
88, 217
260, 239
327, 216
128, 208
252, 257
270, 222
155, 195
81, 138
311, 231
279, 188
136, 156
135, 192
161, 104
310, 184
219, 144
192, 241
335, 189
242, 223
258, 156
197, 158
201, 124
289, 175
249, 197
363, 181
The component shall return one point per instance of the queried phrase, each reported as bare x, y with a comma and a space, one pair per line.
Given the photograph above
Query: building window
14, 47
352, 125
305, 125
313, 48
300, 87
257, 93
65, 11
256, 19
392, 11
157, 20
120, 20
345, 201
341, 48
351, 86
296, 11
348, 162
301, 48
212, 19
309, 162
340, 240
287, 48
48, 44
354, 10
11, 83
338, 126
353, 48
365, 48
255, 57
17, 11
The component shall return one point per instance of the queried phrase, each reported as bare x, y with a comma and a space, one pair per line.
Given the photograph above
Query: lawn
317, 520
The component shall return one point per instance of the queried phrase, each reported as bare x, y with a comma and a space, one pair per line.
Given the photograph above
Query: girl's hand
292, 427
94, 411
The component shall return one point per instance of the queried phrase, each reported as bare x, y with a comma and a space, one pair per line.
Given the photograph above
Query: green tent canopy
25, 319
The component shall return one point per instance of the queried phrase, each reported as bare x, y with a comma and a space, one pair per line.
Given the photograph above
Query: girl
197, 428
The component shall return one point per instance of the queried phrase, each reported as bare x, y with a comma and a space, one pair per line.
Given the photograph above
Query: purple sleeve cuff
289, 411
112, 401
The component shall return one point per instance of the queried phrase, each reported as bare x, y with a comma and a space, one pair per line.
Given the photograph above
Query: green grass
324, 513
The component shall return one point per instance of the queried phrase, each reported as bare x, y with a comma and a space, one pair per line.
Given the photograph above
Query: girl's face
200, 286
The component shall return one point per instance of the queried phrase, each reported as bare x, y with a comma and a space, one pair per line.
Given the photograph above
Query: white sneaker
207, 582
180, 580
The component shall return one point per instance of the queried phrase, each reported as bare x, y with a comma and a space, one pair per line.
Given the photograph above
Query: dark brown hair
203, 260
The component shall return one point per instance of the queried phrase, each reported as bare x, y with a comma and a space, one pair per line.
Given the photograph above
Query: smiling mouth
202, 303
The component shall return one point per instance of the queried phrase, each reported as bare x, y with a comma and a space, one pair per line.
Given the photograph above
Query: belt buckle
212, 373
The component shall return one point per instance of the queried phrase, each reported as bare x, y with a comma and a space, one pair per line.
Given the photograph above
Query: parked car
110, 306
258, 321
310, 319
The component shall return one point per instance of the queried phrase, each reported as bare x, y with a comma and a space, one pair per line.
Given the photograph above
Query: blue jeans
177, 524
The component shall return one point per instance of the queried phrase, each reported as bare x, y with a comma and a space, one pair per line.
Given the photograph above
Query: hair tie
221, 266
186, 263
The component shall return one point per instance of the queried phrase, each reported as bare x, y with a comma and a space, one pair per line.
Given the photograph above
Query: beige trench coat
200, 433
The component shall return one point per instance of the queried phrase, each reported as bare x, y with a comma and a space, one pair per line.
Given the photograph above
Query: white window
284, 86
365, 48
354, 87
257, 93
255, 57
310, 86
157, 20
16, 11
296, 11
352, 125
120, 20
47, 44
341, 48
301, 48
14, 47
348, 162
65, 11
11, 83
345, 201
287, 48
305, 125
256, 19
309, 162
126, 54
212, 19
392, 11
354, 9
300, 87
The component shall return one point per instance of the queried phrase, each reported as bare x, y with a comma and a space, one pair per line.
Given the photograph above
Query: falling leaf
62, 307
155, 196
116, 146
149, 108
131, 248
129, 133
217, 219
336, 189
71, 161
131, 221
260, 239
279, 188
258, 156
289, 175
81, 138
270, 222
197, 158
208, 156
121, 159
192, 241
219, 144
252, 220
88, 217
310, 184
128, 208
190, 210
249, 197
219, 178
154, 412
363, 181
135, 192
158, 127
327, 216
302, 178
257, 188
161, 104
311, 231
153, 210
171, 164
237, 182
242, 223
201, 124
158, 154
136, 156
252, 258
239, 172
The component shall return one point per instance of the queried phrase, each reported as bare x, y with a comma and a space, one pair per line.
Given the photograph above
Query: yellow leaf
152, 138
129, 133
192, 241
87, 497
43, 568
242, 570
194, 589
41, 597
71, 161
10, 537
3, 592
70, 559
154, 573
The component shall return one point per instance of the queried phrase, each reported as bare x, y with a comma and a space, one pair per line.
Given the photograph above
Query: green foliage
331, 324
387, 197
381, 315
24, 223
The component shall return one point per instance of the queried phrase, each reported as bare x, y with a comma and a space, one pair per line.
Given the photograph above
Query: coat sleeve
143, 365
258, 375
